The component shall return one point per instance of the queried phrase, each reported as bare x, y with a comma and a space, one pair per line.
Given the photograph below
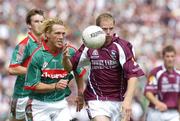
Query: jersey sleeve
80, 58
127, 61
33, 75
152, 83
20, 54
80, 70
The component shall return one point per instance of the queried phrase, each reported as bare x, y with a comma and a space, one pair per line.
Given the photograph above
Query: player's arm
151, 90
126, 106
44, 88
158, 104
79, 74
179, 104
132, 82
131, 72
79, 82
80, 89
19, 55
150, 96
18, 70
77, 59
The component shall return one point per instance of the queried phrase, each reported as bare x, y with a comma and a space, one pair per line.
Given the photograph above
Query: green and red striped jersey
47, 67
20, 57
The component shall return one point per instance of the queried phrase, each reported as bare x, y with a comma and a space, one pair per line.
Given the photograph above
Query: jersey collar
164, 68
47, 49
31, 35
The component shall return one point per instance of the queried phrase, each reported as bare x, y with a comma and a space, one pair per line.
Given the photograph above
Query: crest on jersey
165, 80
113, 54
45, 65
95, 54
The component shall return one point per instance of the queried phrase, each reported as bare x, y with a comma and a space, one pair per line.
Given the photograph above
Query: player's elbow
68, 68
10, 71
147, 94
133, 79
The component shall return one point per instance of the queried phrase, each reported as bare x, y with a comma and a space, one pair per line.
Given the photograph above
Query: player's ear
47, 35
29, 26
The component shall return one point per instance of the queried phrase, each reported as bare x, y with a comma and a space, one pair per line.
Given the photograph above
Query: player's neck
169, 69
52, 48
37, 36
108, 41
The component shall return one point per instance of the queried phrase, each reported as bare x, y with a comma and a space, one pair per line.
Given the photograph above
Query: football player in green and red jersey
19, 62
47, 79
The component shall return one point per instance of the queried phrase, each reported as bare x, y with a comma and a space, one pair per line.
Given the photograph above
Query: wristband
55, 86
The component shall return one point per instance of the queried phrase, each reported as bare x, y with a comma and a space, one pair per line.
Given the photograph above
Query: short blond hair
104, 16
48, 23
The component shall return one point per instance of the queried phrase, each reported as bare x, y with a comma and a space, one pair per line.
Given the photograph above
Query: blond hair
48, 23
104, 16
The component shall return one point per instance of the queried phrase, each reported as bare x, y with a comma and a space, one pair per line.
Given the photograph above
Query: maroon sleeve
152, 82
76, 58
130, 67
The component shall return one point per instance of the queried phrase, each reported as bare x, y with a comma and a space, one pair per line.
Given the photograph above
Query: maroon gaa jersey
165, 86
110, 68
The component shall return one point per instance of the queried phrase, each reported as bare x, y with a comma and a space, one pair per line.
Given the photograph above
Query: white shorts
169, 115
18, 106
110, 109
48, 111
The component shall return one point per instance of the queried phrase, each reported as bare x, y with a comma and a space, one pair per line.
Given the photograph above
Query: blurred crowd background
148, 24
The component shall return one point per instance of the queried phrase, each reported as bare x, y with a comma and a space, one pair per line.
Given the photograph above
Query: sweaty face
107, 25
56, 36
169, 59
36, 21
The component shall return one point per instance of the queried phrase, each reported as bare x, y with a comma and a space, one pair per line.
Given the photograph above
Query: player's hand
126, 110
65, 51
161, 106
79, 102
62, 84
66, 59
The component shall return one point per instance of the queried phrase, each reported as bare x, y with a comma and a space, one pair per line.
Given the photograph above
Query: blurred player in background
19, 62
163, 89
46, 77
113, 75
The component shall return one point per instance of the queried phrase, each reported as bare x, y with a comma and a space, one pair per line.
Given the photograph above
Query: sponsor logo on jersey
95, 54
171, 75
54, 74
170, 87
103, 64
